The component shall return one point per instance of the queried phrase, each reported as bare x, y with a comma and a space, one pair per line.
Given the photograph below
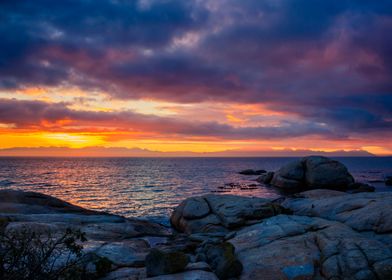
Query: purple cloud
327, 61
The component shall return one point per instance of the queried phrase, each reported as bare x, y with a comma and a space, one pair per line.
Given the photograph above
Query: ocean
151, 187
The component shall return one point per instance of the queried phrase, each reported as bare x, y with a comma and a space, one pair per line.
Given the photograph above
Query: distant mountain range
137, 152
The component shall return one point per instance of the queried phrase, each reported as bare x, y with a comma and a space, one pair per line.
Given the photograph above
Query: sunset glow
196, 76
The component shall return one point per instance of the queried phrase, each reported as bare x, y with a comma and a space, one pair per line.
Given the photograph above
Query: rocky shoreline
320, 232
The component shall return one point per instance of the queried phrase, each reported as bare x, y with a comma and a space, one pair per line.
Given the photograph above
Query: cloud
137, 152
329, 62
43, 116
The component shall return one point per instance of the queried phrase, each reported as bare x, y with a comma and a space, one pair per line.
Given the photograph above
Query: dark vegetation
25, 254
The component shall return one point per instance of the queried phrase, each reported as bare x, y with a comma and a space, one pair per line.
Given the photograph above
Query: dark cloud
327, 61
48, 116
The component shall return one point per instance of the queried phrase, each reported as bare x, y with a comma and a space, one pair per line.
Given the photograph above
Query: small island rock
312, 172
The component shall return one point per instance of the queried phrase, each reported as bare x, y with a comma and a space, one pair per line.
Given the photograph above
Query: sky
248, 77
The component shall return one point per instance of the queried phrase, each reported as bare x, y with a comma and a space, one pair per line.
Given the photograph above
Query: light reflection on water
151, 187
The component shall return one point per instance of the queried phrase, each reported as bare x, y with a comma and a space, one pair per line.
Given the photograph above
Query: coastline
314, 233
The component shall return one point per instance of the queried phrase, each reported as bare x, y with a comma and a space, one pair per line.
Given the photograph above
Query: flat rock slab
360, 211
130, 253
298, 247
45, 213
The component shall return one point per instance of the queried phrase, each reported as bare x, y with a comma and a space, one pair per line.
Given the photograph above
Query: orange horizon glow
151, 135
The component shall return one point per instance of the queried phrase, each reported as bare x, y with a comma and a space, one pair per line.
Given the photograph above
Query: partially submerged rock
358, 187
266, 177
252, 172
312, 172
388, 180
220, 213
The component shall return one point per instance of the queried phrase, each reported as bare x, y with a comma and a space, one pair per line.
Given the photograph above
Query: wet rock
226, 212
266, 177
312, 172
299, 247
159, 262
388, 180
222, 260
252, 172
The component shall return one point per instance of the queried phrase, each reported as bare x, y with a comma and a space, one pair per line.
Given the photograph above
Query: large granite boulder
360, 211
312, 172
221, 213
299, 247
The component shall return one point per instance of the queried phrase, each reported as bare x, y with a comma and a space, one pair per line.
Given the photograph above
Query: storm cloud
329, 62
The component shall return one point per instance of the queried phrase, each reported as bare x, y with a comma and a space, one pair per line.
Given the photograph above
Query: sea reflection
151, 187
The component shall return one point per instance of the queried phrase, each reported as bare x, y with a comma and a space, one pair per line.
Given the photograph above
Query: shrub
25, 254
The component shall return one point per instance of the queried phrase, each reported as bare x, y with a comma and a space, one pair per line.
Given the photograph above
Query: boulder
322, 172
388, 180
196, 208
312, 172
289, 176
226, 212
222, 260
131, 253
159, 262
299, 247
266, 177
252, 172
358, 187
21, 202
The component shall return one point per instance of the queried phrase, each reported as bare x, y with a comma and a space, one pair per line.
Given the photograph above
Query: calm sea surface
151, 187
